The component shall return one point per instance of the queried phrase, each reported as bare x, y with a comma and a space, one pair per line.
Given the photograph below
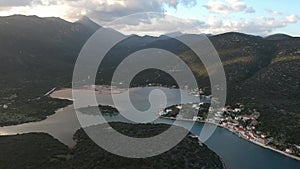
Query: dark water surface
237, 153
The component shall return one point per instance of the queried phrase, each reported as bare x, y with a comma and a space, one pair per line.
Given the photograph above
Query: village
233, 118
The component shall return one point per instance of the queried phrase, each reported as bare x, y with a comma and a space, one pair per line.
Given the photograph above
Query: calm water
235, 152
238, 153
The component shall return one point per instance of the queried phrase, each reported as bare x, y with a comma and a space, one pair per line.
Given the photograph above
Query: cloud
102, 10
215, 25
237, 5
257, 25
158, 25
64, 11
10, 3
151, 18
273, 12
110, 10
225, 7
250, 10
292, 18
189, 3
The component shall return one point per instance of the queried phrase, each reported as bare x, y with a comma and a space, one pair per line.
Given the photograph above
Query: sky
156, 17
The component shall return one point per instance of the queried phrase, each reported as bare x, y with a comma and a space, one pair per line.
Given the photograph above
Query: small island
103, 109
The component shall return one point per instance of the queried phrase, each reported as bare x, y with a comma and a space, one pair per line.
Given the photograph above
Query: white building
168, 110
289, 150
196, 118
237, 110
219, 114
179, 107
194, 105
5, 106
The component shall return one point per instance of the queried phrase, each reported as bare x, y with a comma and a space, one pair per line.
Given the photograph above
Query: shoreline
218, 125
251, 141
171, 118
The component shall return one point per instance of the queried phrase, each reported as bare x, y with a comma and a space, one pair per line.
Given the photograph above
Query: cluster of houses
292, 149
230, 118
233, 119
242, 125
197, 92
247, 132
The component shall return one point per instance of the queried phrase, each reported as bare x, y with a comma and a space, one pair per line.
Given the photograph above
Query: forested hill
38, 54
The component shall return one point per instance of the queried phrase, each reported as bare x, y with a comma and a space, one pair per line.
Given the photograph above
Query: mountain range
38, 54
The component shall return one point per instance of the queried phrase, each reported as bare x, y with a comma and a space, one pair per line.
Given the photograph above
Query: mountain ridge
38, 54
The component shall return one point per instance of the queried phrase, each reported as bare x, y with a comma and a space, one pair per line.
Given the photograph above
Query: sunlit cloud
292, 18
218, 17
225, 7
